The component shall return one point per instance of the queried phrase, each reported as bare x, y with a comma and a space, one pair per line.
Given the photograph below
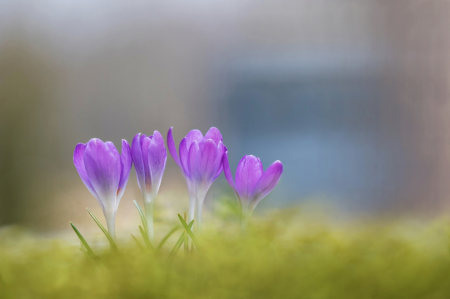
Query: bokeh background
351, 95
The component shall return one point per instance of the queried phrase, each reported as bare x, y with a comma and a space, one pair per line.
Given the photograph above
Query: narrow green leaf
186, 239
83, 241
137, 242
144, 225
186, 244
146, 240
179, 242
188, 230
177, 246
143, 219
111, 241
166, 237
85, 252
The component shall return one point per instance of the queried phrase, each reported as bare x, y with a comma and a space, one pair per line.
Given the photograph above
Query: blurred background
351, 95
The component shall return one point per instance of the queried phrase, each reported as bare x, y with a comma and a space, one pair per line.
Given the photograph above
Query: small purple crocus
252, 182
149, 158
105, 174
200, 161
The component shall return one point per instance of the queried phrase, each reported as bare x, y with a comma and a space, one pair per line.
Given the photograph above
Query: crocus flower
149, 158
105, 174
252, 182
200, 161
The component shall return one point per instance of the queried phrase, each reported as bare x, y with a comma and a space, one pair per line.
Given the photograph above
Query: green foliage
146, 240
283, 255
166, 237
144, 221
183, 239
110, 239
188, 229
85, 248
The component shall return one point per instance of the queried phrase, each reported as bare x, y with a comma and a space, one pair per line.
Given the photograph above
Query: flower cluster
201, 160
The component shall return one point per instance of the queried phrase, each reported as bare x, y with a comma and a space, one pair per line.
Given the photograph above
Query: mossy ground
283, 255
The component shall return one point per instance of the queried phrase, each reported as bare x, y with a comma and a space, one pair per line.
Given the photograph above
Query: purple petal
213, 134
111, 146
248, 173
193, 135
227, 171
185, 144
267, 182
125, 164
102, 163
172, 147
157, 160
184, 153
192, 156
220, 152
145, 144
142, 138
78, 160
136, 154
205, 162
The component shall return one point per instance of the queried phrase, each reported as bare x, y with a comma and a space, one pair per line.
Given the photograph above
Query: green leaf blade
146, 240
188, 230
83, 241
177, 246
166, 237
179, 242
142, 215
137, 242
111, 241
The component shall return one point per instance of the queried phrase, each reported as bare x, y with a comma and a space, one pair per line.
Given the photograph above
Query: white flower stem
246, 213
244, 222
199, 215
201, 194
110, 224
149, 205
192, 200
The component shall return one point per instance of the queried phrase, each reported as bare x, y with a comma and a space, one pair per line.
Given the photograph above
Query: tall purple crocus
105, 174
252, 182
200, 161
149, 158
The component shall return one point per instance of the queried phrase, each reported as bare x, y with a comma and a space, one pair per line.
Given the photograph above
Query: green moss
283, 255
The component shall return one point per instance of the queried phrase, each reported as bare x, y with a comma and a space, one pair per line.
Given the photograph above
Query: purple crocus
149, 158
105, 174
200, 161
252, 182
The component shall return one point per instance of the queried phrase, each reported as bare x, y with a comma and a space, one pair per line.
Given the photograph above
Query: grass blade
137, 242
111, 241
144, 226
83, 241
83, 251
143, 219
166, 237
188, 230
179, 242
177, 246
186, 239
146, 240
